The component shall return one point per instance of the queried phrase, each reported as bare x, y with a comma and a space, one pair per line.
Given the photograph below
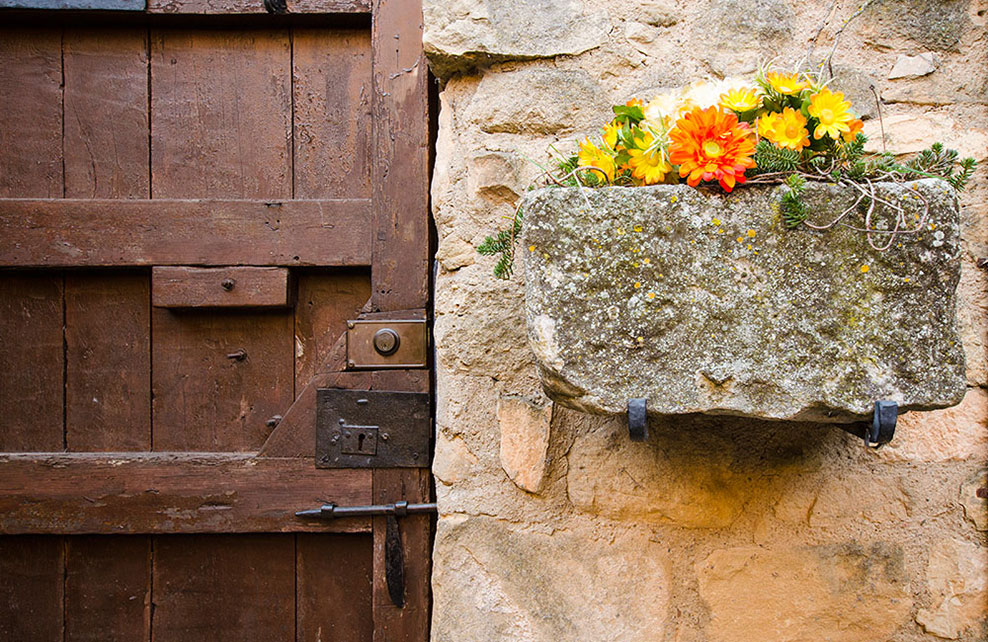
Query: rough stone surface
839, 593
958, 577
923, 64
463, 34
975, 508
499, 581
705, 303
524, 440
514, 565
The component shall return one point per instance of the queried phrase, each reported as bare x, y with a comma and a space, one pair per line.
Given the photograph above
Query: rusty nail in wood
239, 355
274, 421
350, 364
350, 324
228, 284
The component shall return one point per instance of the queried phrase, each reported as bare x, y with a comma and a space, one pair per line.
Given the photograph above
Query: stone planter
701, 302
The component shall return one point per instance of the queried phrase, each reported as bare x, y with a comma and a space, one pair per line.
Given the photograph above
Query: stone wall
553, 525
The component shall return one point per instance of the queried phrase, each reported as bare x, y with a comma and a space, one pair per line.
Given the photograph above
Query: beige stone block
453, 461
907, 133
838, 593
831, 502
610, 475
455, 253
952, 434
524, 440
957, 575
975, 508
914, 66
495, 581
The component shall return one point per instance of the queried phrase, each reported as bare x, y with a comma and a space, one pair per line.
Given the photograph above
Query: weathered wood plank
31, 112
332, 85
333, 588
221, 114
326, 299
227, 287
219, 377
412, 621
224, 588
31, 570
171, 493
400, 173
257, 6
106, 113
31, 362
108, 361
101, 5
104, 233
107, 588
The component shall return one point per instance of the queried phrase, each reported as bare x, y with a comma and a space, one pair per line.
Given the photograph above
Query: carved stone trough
702, 302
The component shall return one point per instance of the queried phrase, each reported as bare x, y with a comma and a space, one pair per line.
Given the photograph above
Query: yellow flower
740, 99
833, 112
610, 135
788, 84
788, 130
766, 123
592, 156
648, 162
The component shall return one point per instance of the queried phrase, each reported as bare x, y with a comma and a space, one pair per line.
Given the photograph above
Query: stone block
702, 302
957, 576
923, 64
831, 503
953, 434
499, 581
524, 440
839, 593
460, 35
975, 506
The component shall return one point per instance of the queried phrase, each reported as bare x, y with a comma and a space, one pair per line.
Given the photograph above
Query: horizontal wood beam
118, 233
171, 493
256, 6
225, 287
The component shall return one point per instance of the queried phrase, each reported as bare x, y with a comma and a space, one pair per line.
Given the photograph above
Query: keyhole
360, 441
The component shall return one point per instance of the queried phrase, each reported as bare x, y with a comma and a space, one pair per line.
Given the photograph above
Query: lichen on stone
705, 302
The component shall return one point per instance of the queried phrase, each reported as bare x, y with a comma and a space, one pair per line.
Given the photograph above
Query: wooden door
191, 208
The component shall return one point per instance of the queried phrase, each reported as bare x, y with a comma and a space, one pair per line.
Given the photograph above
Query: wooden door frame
398, 252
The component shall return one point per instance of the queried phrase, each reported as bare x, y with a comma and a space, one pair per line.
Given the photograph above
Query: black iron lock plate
372, 429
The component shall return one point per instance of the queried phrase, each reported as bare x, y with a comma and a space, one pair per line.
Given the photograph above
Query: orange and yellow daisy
787, 129
710, 144
833, 112
855, 127
648, 161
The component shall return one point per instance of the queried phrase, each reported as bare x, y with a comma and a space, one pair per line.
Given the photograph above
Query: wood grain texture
31, 362
334, 579
221, 114
224, 588
171, 493
204, 398
400, 172
393, 624
256, 6
31, 570
248, 287
107, 233
107, 588
106, 113
326, 299
31, 113
108, 361
332, 85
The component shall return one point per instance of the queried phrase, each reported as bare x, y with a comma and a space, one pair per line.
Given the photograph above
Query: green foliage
940, 162
628, 114
503, 245
793, 209
770, 158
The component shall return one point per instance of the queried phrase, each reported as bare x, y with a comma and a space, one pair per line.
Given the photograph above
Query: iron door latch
394, 554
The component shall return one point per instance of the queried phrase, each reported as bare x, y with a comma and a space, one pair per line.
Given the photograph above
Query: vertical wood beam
400, 172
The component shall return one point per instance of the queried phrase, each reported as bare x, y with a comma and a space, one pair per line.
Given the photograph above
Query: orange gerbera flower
710, 144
